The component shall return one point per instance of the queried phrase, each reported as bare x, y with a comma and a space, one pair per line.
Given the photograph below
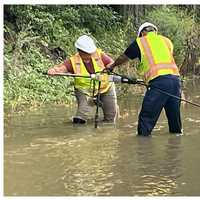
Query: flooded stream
45, 155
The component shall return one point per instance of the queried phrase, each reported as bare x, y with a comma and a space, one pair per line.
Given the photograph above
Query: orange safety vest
156, 56
84, 84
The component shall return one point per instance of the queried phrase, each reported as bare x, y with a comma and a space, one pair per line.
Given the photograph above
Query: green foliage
175, 24
32, 32
29, 86
98, 18
116, 40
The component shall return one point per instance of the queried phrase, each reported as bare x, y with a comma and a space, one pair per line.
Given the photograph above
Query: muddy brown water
45, 155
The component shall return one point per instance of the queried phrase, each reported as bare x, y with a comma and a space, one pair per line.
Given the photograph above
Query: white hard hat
86, 44
144, 25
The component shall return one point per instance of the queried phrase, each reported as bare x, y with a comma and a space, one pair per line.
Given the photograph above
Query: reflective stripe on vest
84, 84
95, 57
154, 56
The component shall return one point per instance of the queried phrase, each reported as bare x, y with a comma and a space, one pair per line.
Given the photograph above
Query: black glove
107, 70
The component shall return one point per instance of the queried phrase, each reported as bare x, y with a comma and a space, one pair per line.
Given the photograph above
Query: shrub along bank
37, 37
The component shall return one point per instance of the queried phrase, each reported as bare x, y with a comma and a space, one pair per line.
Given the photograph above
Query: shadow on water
44, 154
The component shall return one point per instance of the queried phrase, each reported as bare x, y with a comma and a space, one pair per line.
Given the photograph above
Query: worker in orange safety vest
159, 70
86, 61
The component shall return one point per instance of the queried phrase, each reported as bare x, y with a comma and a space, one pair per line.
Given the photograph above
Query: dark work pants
154, 101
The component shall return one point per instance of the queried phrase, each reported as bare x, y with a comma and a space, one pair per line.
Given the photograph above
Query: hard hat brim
144, 25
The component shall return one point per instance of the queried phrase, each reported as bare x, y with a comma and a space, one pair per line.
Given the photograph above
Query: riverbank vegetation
37, 37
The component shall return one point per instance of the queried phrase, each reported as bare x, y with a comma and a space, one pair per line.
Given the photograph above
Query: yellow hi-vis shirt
156, 56
85, 84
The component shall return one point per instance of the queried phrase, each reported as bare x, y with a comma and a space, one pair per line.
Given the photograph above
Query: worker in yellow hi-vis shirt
89, 60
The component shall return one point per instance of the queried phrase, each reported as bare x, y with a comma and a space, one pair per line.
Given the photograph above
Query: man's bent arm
119, 61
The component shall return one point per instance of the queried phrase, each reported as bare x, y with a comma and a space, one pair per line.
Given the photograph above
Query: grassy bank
37, 37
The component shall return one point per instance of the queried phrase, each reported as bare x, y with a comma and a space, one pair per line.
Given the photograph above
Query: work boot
78, 120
